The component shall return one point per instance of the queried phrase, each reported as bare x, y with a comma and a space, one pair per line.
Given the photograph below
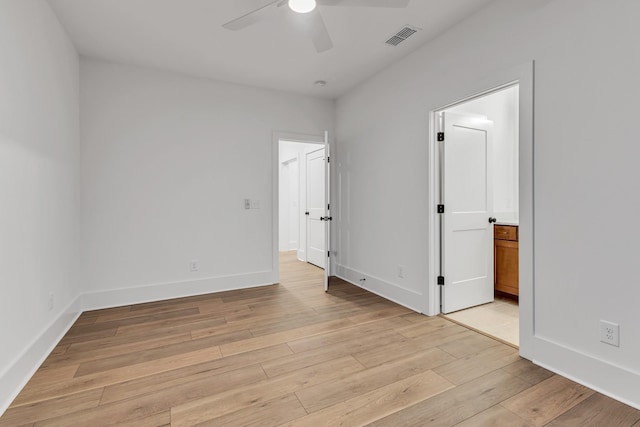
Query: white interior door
467, 234
316, 208
328, 218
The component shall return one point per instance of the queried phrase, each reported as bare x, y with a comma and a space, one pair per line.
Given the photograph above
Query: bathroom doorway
478, 189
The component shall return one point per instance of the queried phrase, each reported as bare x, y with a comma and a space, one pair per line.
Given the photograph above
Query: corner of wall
16, 376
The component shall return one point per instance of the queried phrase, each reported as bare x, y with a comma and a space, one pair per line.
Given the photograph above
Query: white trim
327, 211
522, 75
433, 304
590, 371
16, 376
18, 373
298, 137
169, 290
387, 290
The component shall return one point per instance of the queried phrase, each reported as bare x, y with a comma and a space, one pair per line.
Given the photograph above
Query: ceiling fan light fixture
302, 6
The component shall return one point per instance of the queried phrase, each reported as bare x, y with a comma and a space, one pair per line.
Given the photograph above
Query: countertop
507, 222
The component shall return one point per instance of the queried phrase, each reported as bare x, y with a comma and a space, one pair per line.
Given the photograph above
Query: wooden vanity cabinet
505, 258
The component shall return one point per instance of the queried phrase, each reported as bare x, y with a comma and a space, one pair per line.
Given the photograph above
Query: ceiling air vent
402, 35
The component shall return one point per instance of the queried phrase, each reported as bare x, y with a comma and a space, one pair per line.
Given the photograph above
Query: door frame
275, 187
523, 75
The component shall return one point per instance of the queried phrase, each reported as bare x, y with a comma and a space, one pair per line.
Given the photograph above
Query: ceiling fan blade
317, 30
253, 16
365, 3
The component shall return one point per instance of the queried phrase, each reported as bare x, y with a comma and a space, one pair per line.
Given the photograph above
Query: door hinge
440, 136
328, 159
328, 254
440, 280
329, 207
440, 208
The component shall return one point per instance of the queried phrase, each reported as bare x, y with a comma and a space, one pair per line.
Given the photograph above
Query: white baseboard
27, 363
390, 291
614, 381
169, 290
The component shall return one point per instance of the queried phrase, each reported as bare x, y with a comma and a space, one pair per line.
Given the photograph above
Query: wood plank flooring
291, 354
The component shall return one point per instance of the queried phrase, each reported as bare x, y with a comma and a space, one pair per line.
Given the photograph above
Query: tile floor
499, 319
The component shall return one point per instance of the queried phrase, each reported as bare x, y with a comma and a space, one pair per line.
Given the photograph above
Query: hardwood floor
294, 355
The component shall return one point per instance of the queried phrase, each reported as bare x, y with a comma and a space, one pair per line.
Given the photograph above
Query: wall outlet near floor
610, 333
51, 301
401, 271
194, 265
251, 204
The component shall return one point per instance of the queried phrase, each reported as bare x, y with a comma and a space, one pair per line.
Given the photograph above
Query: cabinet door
506, 259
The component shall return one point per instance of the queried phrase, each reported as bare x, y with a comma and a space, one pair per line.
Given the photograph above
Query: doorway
302, 210
478, 193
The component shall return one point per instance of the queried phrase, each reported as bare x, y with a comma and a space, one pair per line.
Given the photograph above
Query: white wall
293, 179
587, 83
501, 107
39, 188
167, 162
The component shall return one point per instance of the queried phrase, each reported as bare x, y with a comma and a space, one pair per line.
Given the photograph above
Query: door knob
306, 213
492, 220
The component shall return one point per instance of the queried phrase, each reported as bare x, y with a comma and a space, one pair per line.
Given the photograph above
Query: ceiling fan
309, 16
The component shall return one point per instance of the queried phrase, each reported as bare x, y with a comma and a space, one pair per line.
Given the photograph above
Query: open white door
316, 208
328, 218
466, 227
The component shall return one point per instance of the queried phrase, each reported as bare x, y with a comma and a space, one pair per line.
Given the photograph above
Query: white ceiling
186, 36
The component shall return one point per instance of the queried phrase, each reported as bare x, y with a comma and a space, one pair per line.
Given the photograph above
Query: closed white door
467, 233
316, 208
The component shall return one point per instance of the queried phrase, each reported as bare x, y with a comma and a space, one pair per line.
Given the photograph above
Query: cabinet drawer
505, 232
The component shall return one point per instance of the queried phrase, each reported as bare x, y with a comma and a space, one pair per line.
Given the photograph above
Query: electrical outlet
50, 301
401, 271
193, 265
247, 203
610, 333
